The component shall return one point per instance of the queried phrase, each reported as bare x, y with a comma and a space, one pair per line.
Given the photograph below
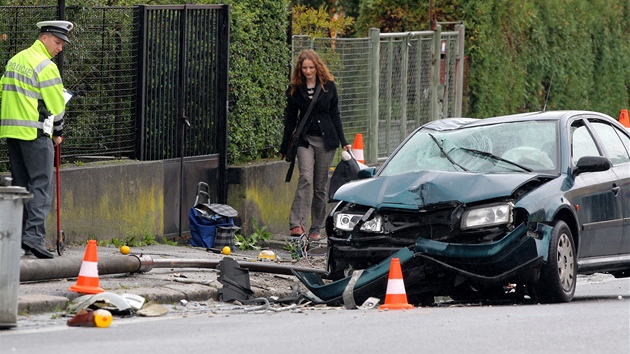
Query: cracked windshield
500, 148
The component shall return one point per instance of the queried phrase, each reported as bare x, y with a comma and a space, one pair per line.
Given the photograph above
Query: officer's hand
57, 140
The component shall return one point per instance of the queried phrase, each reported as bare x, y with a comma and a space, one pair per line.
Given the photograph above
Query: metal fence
99, 67
392, 83
136, 73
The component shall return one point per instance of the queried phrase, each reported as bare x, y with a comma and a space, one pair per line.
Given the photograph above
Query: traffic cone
623, 118
395, 297
357, 148
88, 275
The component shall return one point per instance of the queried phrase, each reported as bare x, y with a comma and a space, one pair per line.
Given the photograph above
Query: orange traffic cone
623, 118
395, 297
88, 275
357, 148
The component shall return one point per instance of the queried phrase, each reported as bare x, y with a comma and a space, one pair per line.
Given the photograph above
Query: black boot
38, 250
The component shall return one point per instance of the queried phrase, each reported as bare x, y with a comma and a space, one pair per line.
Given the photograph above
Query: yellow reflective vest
30, 77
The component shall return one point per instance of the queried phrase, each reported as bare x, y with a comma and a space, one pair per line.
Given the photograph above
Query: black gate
182, 101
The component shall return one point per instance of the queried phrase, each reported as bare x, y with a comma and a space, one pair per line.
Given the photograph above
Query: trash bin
11, 208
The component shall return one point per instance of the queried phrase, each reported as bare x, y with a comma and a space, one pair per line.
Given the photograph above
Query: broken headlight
346, 222
487, 216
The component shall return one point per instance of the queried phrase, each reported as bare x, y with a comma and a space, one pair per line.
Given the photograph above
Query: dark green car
520, 203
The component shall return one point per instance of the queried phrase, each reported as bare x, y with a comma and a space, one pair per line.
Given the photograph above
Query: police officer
31, 119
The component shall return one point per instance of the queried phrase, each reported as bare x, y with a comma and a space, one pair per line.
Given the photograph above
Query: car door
616, 144
595, 198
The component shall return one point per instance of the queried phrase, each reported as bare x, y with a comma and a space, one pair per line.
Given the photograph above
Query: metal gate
182, 101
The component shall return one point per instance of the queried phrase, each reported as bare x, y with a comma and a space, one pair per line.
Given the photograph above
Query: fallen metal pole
65, 267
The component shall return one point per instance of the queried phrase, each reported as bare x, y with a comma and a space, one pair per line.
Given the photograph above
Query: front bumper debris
437, 268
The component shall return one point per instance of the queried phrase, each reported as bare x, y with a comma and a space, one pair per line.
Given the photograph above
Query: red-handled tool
60, 236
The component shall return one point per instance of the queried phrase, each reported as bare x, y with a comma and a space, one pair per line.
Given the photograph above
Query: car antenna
548, 91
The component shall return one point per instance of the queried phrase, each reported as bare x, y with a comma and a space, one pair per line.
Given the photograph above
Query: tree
404, 15
318, 23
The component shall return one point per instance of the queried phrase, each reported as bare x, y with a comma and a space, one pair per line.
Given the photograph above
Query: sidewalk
162, 285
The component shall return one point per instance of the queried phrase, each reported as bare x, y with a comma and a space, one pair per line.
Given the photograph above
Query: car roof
456, 123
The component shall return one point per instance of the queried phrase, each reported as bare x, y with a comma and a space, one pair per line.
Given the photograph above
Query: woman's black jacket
325, 113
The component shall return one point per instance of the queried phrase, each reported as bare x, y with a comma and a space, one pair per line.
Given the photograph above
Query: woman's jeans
312, 190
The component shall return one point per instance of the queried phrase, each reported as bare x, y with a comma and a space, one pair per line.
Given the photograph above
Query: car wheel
558, 277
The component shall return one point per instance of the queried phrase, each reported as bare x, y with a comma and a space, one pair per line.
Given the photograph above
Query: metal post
459, 71
418, 119
141, 92
388, 94
182, 106
435, 82
373, 133
222, 87
403, 86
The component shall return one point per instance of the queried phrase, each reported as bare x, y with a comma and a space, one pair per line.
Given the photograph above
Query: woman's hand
348, 148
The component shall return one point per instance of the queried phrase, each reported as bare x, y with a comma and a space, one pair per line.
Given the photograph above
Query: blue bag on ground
212, 225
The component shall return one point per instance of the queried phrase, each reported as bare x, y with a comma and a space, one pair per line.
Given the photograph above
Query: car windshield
514, 147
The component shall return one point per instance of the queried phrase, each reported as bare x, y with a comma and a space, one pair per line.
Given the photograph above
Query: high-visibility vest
30, 76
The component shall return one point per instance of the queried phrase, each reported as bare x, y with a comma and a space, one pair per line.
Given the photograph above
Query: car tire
559, 275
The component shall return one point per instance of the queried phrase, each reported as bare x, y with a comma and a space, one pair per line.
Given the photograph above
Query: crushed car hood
419, 189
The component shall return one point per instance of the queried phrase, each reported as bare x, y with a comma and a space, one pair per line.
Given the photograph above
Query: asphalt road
598, 320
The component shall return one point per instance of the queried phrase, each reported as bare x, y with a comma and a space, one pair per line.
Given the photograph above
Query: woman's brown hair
323, 75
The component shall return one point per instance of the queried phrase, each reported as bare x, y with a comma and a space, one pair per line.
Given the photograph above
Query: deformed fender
333, 292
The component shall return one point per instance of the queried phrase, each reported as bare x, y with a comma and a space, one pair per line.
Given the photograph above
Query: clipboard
67, 95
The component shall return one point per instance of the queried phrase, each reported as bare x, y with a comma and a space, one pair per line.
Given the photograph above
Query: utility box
12, 201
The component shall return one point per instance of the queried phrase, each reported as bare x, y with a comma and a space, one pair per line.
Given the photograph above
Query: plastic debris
135, 301
370, 303
109, 301
152, 310
267, 255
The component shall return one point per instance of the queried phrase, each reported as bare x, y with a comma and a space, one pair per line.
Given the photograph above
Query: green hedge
259, 75
518, 48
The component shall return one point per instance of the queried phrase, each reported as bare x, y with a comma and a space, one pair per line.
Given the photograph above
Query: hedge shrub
259, 75
519, 48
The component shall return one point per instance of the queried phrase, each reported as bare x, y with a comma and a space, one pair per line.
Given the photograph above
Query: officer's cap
59, 29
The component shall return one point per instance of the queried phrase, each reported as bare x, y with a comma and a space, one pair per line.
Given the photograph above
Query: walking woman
320, 136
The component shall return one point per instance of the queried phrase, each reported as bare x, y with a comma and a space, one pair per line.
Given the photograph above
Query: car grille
403, 228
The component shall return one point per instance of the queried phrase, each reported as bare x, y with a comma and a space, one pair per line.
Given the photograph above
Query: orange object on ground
395, 297
88, 275
624, 119
88, 318
357, 148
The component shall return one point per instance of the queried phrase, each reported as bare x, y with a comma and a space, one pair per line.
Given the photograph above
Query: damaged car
520, 203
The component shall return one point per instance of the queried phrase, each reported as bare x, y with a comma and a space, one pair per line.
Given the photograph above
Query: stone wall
127, 199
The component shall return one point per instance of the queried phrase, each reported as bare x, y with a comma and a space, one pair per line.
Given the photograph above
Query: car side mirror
592, 164
367, 173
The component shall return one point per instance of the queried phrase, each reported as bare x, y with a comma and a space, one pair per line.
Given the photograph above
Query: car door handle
615, 189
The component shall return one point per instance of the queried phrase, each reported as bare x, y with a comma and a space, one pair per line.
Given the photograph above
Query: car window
612, 143
514, 147
582, 143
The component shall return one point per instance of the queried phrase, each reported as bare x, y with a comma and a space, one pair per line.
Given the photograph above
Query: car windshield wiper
499, 158
445, 153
